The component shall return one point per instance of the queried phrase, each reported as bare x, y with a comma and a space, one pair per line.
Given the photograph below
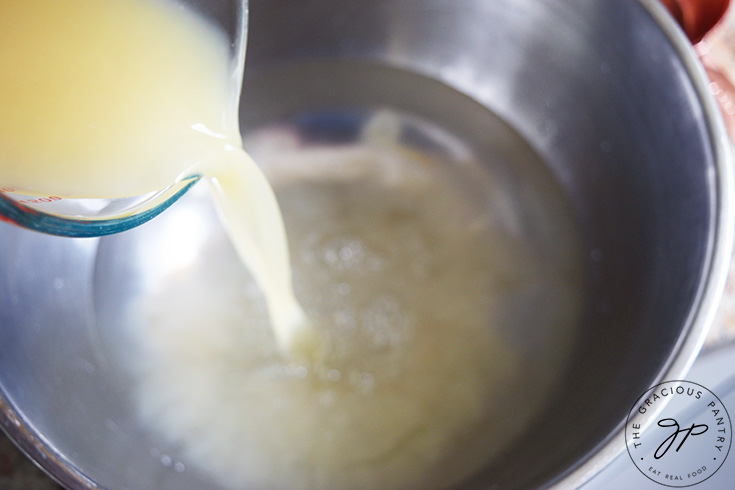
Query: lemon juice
109, 99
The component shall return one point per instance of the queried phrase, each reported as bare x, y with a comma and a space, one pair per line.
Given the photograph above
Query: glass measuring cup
58, 214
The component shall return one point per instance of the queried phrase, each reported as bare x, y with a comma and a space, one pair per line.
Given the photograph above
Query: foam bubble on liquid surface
404, 279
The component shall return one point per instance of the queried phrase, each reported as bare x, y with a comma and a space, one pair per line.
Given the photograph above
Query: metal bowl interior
607, 95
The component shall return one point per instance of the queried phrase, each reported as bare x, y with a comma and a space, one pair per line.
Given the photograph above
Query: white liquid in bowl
411, 285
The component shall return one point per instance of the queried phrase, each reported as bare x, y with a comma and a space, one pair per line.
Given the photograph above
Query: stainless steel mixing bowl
610, 96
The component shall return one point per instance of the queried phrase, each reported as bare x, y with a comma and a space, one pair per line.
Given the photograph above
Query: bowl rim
21, 433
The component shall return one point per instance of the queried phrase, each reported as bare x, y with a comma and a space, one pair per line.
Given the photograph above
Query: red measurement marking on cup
37, 200
40, 200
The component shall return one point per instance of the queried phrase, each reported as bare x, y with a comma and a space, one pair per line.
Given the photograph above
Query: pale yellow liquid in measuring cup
107, 99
